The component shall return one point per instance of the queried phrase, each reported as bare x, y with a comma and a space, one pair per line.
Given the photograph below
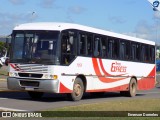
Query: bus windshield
39, 47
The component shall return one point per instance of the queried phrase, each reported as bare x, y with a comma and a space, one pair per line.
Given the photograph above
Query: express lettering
117, 67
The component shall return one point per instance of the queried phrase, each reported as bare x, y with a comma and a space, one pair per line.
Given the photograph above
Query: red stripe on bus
98, 73
12, 65
104, 71
64, 89
15, 67
143, 84
147, 82
102, 67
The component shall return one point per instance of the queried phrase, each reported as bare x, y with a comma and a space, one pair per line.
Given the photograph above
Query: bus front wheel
78, 90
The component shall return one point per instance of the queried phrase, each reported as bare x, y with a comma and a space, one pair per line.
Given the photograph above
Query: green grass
121, 105
99, 110
3, 72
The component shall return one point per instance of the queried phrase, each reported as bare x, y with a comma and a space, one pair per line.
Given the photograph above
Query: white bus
74, 59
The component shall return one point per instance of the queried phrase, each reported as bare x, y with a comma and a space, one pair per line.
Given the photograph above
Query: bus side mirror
7, 61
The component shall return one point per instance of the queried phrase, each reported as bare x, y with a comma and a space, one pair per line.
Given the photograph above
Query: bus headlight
11, 74
55, 77
50, 76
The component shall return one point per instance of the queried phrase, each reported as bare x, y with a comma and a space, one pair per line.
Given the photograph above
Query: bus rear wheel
35, 95
78, 90
132, 88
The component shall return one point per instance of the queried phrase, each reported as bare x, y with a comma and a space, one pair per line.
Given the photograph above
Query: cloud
16, 2
145, 30
30, 17
130, 2
143, 27
47, 3
9, 20
76, 10
70, 18
116, 19
148, 31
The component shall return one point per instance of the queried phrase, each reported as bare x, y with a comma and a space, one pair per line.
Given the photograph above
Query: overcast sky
131, 17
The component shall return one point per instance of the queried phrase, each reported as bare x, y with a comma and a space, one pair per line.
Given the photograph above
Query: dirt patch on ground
4, 72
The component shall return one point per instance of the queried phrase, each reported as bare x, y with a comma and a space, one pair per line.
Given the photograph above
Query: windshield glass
35, 47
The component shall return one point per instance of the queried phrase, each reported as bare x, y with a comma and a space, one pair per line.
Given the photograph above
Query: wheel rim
133, 88
77, 90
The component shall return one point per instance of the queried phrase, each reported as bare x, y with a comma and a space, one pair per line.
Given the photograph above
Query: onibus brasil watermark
21, 114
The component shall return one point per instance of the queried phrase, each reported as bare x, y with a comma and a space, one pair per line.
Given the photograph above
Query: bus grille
29, 83
33, 68
30, 75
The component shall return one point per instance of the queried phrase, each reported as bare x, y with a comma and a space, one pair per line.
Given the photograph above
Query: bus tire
132, 88
78, 90
35, 95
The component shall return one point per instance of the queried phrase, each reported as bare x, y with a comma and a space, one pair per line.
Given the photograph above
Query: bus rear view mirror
7, 61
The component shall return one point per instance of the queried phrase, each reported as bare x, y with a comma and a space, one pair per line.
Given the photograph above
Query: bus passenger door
68, 47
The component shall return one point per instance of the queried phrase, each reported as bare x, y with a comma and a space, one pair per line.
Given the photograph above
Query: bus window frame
87, 36
108, 41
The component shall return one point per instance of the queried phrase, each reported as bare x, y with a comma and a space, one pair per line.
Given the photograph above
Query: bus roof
64, 26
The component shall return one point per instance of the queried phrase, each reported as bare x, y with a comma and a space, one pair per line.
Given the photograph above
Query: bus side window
152, 54
138, 51
85, 44
97, 47
110, 49
82, 44
147, 57
116, 49
128, 49
143, 54
122, 50
89, 45
146, 53
133, 52
104, 47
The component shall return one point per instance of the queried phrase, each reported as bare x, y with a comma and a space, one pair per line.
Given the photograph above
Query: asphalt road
21, 101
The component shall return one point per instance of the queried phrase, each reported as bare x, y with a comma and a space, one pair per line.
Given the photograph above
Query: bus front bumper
33, 85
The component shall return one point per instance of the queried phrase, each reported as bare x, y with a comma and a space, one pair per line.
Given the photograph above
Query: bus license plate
29, 88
